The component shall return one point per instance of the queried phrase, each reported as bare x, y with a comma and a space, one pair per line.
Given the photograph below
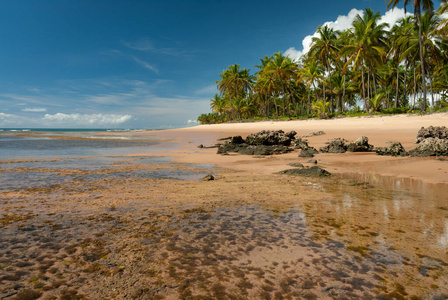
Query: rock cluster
440, 132
395, 149
265, 142
335, 146
360, 145
307, 150
432, 141
431, 147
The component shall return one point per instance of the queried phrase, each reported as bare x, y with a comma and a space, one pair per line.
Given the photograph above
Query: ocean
23, 143
38, 158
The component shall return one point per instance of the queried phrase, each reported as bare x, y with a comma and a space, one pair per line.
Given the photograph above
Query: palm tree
401, 34
282, 68
325, 48
311, 73
365, 45
443, 25
419, 5
235, 83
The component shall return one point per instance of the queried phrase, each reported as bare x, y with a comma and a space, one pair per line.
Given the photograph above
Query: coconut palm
282, 68
325, 48
419, 6
365, 45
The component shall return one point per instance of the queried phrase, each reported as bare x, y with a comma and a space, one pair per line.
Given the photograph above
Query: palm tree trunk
398, 86
374, 80
343, 95
415, 86
405, 83
430, 85
363, 90
420, 42
309, 103
368, 83
331, 89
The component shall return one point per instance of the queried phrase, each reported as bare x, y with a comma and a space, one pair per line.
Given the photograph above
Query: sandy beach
380, 130
376, 229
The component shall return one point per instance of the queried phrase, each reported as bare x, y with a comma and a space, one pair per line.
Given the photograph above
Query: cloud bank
343, 23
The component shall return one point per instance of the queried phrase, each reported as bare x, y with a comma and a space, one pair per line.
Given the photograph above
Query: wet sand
249, 234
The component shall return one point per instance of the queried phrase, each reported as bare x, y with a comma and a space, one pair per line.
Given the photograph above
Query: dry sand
379, 130
249, 234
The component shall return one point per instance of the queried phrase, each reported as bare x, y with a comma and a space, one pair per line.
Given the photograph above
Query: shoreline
380, 130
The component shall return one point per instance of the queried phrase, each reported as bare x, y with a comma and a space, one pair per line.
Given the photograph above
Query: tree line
365, 69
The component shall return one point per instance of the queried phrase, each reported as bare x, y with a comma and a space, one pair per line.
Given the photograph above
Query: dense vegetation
381, 69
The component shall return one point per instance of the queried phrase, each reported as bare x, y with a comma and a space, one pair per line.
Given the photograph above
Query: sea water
39, 143
34, 158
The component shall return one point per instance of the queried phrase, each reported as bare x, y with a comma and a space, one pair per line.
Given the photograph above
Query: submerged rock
335, 146
395, 149
208, 177
360, 145
431, 147
440, 132
313, 171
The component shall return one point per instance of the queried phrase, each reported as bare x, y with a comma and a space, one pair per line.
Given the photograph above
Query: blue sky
140, 64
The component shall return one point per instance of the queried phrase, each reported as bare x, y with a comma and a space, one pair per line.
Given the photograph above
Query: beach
376, 228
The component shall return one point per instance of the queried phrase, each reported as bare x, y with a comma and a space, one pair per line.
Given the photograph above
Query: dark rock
360, 145
431, 147
441, 159
440, 132
236, 139
312, 161
252, 150
208, 177
297, 165
201, 146
313, 171
261, 143
309, 152
314, 134
301, 144
395, 149
335, 146
269, 138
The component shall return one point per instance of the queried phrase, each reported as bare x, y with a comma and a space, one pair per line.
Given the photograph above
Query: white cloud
8, 120
145, 65
211, 89
147, 45
393, 16
86, 119
343, 23
34, 109
293, 53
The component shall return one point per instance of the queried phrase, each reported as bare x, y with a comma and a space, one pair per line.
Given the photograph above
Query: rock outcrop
432, 146
432, 141
395, 149
440, 132
335, 146
271, 138
313, 171
265, 142
360, 145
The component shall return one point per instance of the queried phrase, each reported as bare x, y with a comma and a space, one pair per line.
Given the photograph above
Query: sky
144, 64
